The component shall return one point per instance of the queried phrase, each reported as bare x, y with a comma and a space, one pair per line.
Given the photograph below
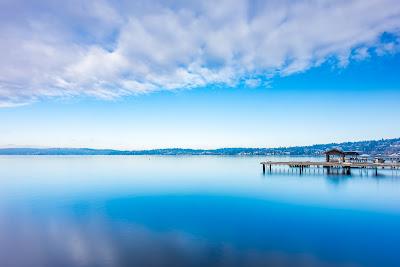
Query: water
192, 211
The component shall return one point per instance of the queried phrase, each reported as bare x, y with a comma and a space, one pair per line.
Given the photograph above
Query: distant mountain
374, 147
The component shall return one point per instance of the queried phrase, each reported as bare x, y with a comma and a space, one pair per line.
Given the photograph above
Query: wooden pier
338, 160
345, 167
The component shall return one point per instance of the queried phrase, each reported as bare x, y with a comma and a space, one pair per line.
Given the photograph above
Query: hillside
372, 147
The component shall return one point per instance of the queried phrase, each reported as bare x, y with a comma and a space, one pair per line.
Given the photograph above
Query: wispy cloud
117, 48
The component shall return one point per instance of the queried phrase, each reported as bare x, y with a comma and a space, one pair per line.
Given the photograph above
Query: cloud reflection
58, 241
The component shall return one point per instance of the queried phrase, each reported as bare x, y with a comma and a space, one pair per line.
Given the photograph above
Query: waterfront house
364, 158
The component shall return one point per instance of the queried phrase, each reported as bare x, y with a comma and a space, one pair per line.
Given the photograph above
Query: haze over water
192, 211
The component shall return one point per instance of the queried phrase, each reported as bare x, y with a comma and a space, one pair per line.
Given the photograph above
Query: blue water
192, 211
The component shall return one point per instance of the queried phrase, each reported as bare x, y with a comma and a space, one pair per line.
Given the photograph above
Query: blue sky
176, 74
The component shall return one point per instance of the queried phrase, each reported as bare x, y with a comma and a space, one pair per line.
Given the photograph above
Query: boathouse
338, 155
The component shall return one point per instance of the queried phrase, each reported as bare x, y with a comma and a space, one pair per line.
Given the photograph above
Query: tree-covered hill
372, 147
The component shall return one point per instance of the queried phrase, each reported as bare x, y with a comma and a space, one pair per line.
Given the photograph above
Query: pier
337, 161
330, 167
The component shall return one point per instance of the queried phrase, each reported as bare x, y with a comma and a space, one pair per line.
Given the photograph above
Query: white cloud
252, 82
361, 53
117, 48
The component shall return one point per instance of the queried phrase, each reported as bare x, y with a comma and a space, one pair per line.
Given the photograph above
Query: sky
198, 74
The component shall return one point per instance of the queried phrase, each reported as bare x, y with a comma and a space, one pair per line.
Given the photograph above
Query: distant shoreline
385, 147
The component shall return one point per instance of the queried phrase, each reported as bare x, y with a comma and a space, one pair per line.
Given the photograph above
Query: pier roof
337, 151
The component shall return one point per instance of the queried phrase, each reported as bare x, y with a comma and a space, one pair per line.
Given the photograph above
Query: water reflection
66, 243
336, 175
196, 211
195, 231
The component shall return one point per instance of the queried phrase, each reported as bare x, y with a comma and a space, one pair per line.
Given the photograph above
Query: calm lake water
192, 211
